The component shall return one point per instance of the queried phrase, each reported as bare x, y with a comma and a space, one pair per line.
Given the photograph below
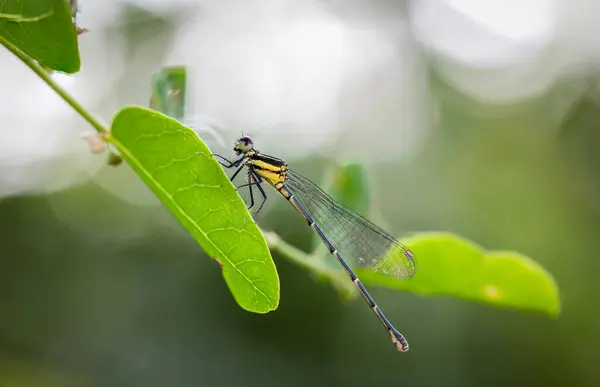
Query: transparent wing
358, 241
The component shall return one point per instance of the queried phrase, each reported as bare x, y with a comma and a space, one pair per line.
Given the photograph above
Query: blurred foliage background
102, 287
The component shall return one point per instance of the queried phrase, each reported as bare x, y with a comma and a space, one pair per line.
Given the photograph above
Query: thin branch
313, 262
42, 73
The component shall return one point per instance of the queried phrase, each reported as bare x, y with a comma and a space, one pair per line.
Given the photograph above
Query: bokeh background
478, 118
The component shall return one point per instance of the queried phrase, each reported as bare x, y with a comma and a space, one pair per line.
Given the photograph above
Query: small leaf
179, 168
42, 29
451, 265
168, 92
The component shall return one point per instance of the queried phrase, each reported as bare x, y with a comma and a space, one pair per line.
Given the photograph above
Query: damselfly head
243, 145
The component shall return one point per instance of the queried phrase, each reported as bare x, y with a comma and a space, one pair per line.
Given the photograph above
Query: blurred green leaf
451, 265
347, 184
42, 29
447, 264
168, 92
179, 168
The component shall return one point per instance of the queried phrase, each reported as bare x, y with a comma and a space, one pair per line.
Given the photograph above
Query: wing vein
362, 243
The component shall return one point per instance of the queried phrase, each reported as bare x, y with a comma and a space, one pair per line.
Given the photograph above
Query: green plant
178, 167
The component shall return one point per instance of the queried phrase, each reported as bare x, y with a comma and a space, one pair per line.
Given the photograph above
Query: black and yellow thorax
270, 168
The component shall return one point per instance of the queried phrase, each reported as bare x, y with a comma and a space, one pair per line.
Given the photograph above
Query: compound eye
245, 144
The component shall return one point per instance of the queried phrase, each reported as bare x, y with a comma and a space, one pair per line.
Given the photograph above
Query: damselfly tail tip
398, 340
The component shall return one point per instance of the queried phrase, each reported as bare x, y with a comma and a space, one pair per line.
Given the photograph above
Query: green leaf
451, 265
180, 169
447, 264
168, 92
42, 29
25, 12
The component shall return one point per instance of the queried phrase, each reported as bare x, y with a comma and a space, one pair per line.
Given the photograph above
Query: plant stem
41, 72
313, 262
294, 254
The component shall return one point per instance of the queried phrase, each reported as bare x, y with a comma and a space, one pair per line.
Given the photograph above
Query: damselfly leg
254, 180
228, 163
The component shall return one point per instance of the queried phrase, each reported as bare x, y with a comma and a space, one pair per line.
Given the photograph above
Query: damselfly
344, 232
